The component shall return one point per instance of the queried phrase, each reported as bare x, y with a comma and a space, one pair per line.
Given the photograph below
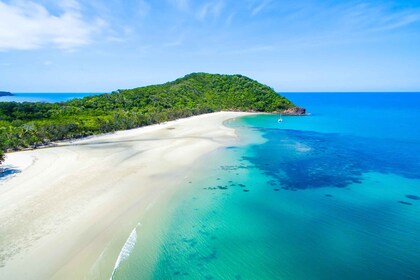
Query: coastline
79, 201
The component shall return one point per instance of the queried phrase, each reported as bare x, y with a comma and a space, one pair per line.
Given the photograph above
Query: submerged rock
328, 195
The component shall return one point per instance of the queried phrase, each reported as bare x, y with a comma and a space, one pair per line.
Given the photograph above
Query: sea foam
126, 249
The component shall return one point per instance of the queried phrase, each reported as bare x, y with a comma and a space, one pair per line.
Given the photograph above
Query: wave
126, 249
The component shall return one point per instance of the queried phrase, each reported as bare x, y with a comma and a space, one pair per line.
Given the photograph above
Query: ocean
333, 195
44, 97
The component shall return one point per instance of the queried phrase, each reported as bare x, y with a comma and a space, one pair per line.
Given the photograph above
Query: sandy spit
76, 203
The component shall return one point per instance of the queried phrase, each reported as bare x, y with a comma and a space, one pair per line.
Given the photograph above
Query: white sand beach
74, 203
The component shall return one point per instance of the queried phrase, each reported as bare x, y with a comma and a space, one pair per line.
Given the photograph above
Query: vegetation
5, 93
1, 158
24, 125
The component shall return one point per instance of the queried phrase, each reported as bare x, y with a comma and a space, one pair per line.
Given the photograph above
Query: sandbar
76, 203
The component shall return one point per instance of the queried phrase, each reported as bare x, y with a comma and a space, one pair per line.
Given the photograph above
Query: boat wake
126, 250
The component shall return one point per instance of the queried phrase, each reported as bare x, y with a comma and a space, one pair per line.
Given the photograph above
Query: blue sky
103, 45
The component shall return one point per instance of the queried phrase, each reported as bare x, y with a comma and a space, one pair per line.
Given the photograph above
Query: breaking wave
126, 250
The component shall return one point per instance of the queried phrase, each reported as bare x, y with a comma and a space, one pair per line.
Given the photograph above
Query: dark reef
296, 168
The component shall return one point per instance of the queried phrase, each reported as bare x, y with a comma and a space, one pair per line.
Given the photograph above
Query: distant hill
212, 92
5, 93
32, 124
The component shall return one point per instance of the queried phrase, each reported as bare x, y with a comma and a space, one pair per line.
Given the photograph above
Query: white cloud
259, 7
200, 12
374, 18
218, 8
27, 25
213, 8
230, 19
70, 5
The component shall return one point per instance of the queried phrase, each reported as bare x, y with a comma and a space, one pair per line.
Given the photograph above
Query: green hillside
27, 124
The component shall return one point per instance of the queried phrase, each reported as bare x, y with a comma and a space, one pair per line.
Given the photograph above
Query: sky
301, 45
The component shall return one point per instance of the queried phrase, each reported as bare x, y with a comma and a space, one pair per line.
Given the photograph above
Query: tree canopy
30, 124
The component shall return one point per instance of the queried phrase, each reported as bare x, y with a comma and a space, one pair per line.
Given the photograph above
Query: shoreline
77, 202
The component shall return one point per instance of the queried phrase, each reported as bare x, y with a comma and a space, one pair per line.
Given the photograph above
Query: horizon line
105, 92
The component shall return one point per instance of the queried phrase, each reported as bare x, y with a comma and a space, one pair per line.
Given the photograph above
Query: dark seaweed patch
229, 167
413, 197
272, 182
405, 202
289, 189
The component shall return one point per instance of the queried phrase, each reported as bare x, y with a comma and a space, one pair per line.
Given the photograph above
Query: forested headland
5, 93
29, 125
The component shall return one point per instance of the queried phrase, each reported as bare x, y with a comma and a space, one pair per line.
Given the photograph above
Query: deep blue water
350, 133
45, 97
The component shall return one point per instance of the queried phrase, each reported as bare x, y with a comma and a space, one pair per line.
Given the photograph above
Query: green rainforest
33, 124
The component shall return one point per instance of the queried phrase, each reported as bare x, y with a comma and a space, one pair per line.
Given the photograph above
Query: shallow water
7, 172
331, 196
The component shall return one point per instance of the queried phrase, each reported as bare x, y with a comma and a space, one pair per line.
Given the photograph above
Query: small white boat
280, 120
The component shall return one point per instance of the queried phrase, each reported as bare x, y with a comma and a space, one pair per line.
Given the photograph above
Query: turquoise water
335, 195
44, 97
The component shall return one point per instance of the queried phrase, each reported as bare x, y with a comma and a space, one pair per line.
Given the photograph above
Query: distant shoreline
48, 97
6, 93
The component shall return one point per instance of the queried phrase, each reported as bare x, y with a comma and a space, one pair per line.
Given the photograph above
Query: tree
31, 124
2, 157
